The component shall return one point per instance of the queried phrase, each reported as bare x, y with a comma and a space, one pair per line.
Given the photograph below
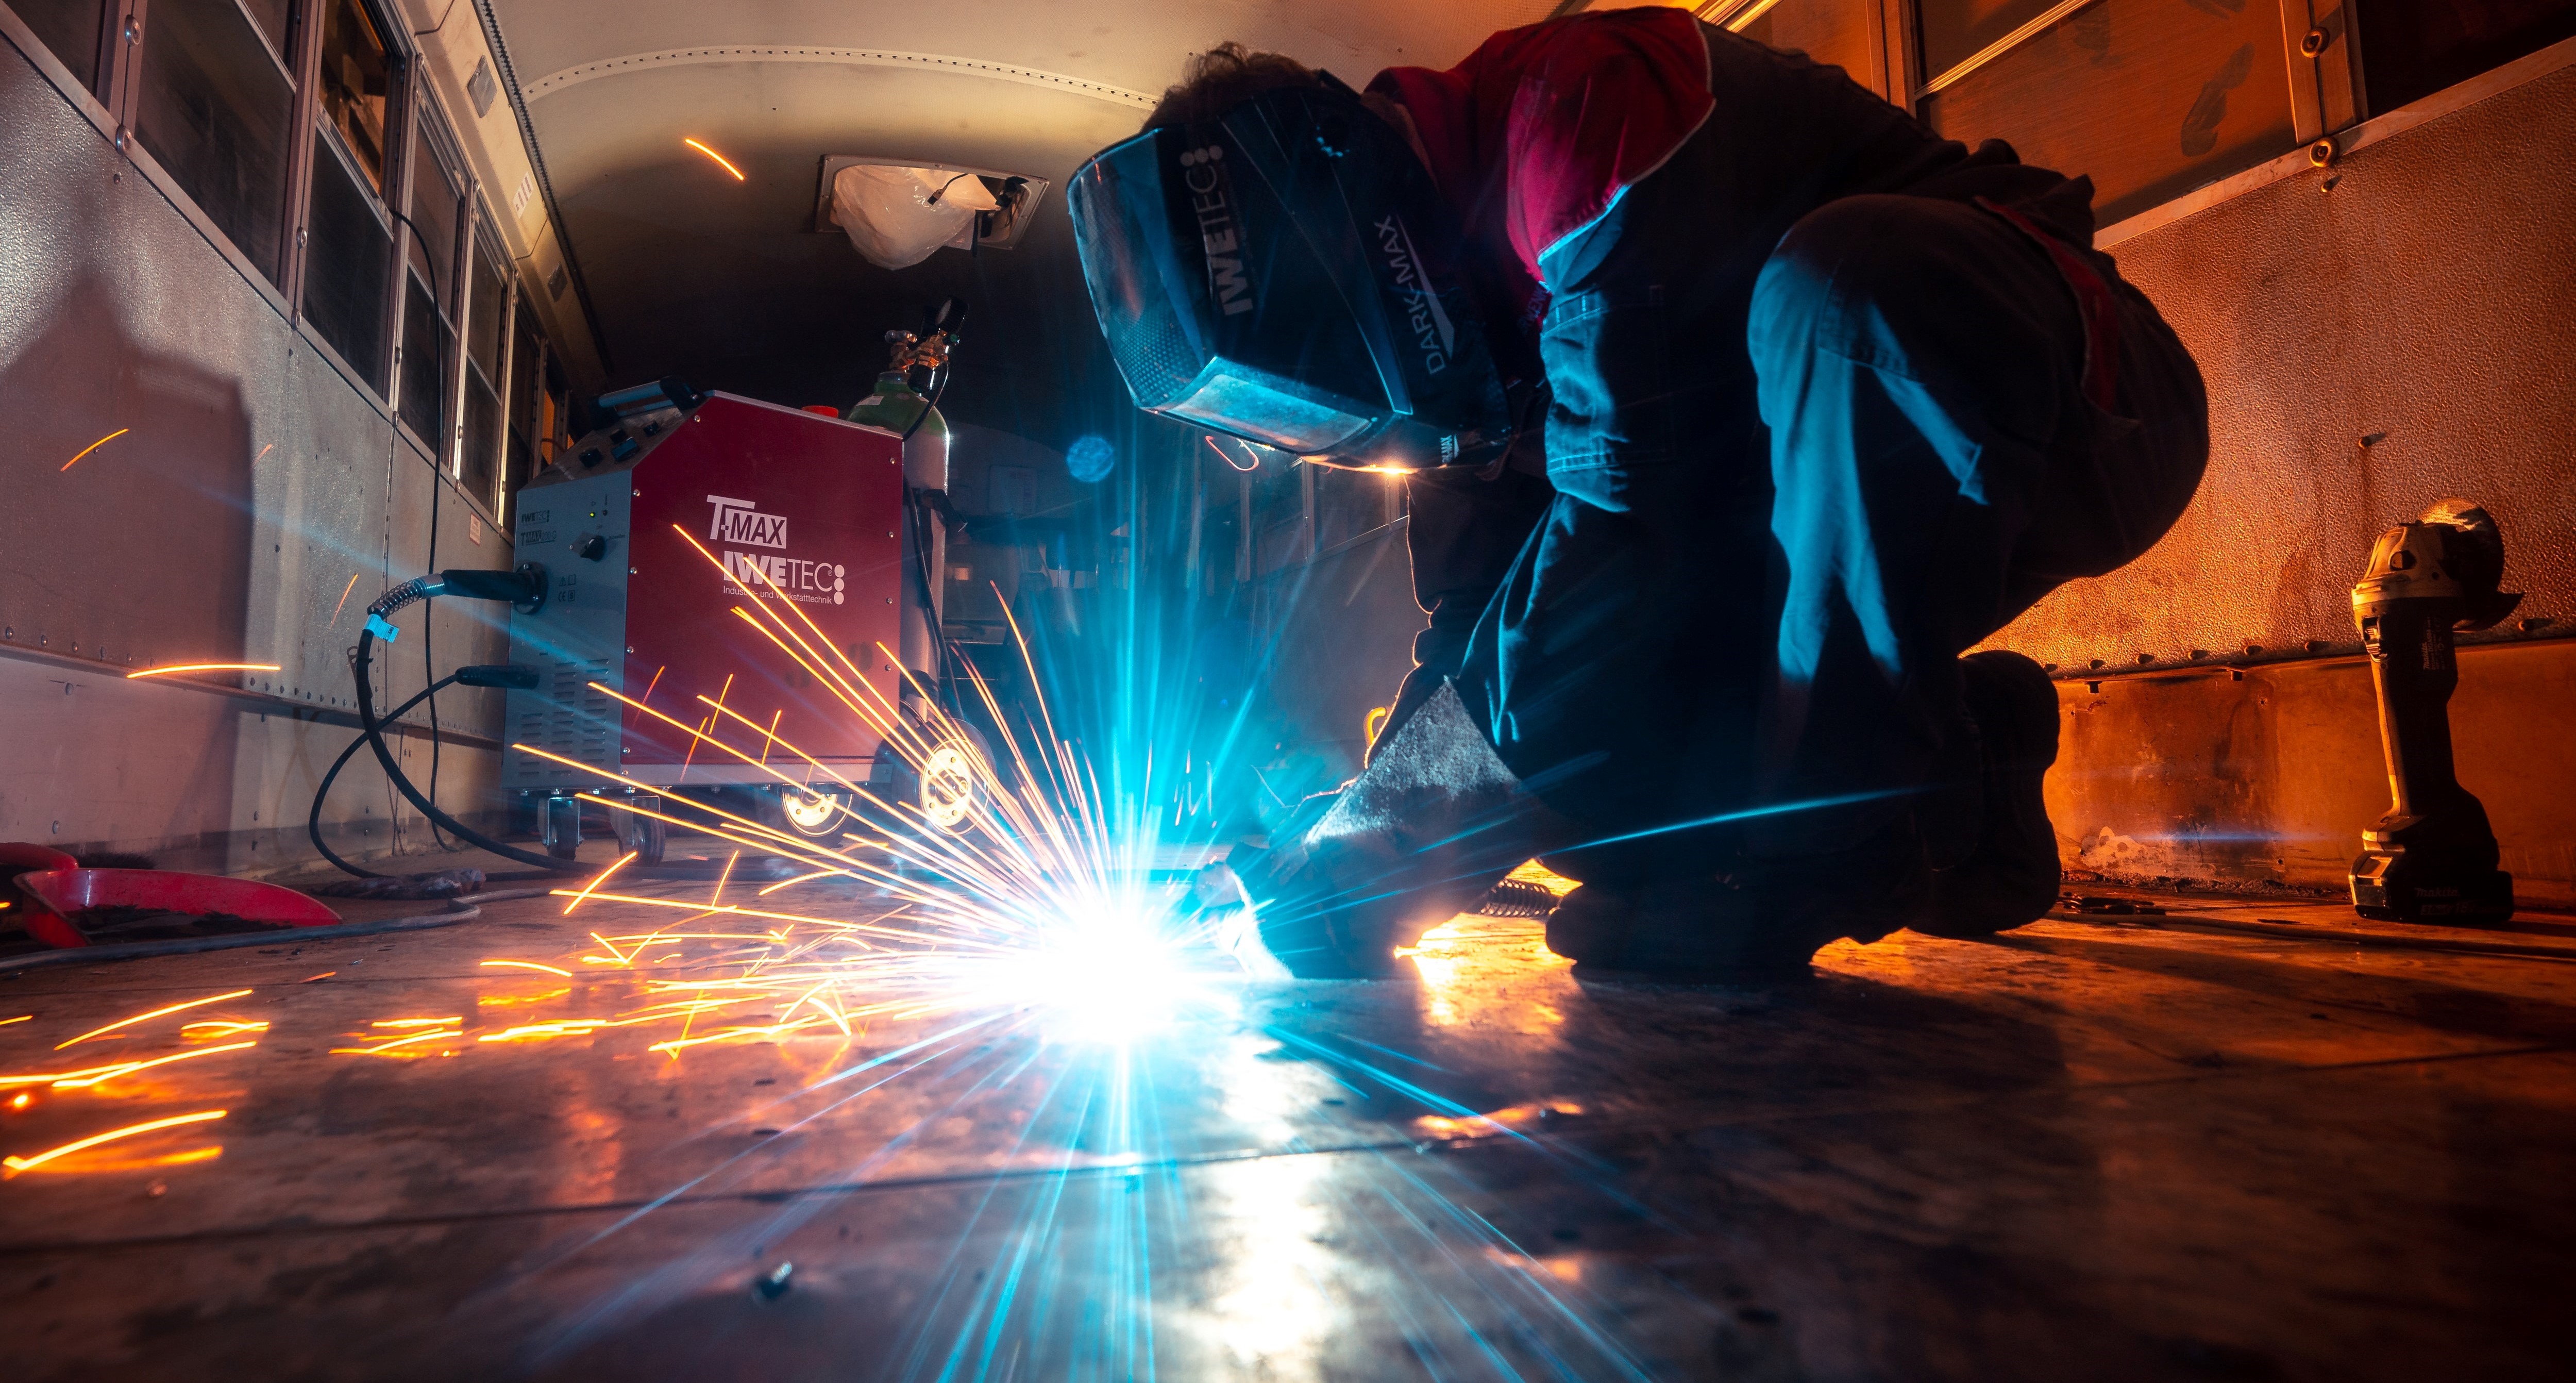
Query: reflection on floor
2109, 1146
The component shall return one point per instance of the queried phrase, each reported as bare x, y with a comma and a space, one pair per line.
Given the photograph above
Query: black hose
376, 740
313, 823
437, 482
938, 390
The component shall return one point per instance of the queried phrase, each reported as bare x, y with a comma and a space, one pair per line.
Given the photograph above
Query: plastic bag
895, 217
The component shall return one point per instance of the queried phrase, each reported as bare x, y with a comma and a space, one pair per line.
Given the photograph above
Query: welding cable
438, 481
942, 656
477, 584
375, 738
313, 823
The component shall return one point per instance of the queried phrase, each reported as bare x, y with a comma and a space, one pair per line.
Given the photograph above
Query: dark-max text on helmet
1431, 329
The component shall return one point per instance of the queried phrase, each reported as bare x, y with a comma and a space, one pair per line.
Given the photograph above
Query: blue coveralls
1819, 426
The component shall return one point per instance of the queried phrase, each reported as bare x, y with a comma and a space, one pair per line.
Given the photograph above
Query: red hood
1537, 133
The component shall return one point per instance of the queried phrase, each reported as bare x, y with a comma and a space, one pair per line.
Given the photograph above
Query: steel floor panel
2099, 1147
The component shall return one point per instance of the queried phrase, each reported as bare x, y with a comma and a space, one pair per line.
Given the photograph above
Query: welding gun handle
523, 586
514, 675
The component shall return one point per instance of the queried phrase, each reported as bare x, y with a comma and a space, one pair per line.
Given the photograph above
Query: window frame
412, 104
426, 121
545, 410
481, 240
2325, 85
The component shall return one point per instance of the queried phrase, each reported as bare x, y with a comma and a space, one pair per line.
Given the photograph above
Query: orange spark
140, 1017
219, 1028
657, 681
202, 667
103, 441
383, 1047
344, 599
20, 1164
726, 163
92, 1075
531, 965
82, 1080
323, 976
804, 879
21, 1018
571, 1027
622, 862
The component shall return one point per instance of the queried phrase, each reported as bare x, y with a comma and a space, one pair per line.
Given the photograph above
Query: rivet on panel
2313, 42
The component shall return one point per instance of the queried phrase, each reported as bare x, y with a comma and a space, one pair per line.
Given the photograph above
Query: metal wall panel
2270, 778
2405, 336
253, 484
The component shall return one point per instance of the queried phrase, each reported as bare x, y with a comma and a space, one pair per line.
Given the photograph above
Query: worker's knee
1848, 278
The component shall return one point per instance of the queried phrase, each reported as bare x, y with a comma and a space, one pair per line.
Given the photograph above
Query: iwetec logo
763, 574
1203, 173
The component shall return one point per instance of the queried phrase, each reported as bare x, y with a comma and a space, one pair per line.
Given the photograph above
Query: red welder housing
652, 532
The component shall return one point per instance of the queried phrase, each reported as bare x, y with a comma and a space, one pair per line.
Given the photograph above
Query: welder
1737, 406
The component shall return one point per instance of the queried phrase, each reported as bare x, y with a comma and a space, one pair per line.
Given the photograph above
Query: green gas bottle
895, 407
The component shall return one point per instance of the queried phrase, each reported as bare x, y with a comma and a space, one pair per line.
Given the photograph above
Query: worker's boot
1417, 837
2010, 877
1757, 923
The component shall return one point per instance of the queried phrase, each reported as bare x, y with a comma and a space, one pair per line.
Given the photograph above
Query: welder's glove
1418, 836
1220, 885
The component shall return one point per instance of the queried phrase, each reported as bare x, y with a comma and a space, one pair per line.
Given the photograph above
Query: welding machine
654, 529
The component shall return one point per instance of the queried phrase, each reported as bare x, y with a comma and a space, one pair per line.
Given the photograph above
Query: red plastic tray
59, 892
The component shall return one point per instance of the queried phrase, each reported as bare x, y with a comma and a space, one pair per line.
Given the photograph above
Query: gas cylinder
896, 407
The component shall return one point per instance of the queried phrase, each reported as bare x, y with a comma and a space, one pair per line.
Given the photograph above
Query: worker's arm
1463, 534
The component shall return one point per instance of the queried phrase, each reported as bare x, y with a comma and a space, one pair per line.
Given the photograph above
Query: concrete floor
2102, 1147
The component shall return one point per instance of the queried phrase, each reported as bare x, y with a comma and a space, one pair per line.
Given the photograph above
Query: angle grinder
2432, 856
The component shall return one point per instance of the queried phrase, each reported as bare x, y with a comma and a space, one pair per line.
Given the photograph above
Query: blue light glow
1090, 458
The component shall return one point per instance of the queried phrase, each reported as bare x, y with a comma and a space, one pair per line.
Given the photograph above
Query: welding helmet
1284, 274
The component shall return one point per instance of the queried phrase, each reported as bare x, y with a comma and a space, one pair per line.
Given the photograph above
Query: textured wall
2429, 301
2270, 778
254, 484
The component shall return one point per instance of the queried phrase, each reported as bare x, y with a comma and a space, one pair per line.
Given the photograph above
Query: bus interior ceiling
303, 300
